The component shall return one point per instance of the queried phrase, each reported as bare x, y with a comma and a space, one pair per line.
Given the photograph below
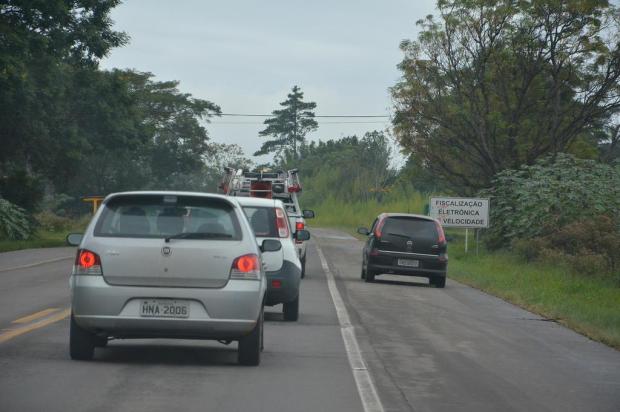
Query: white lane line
365, 385
37, 264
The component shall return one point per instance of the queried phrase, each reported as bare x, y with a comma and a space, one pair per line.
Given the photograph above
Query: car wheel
439, 282
250, 346
303, 267
291, 310
370, 276
81, 342
101, 341
363, 274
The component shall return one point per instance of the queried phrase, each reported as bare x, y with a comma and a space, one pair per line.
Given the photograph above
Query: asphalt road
425, 349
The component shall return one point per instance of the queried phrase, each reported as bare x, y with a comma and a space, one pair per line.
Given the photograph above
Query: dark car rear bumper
429, 265
289, 276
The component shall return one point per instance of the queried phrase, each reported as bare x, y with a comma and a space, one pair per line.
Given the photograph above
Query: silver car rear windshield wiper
198, 235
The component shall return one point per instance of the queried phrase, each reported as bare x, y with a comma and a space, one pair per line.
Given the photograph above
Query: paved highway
419, 348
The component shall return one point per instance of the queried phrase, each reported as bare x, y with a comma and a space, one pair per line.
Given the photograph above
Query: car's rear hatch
409, 235
264, 223
184, 241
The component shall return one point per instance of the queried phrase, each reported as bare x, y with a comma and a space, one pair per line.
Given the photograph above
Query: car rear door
134, 237
407, 234
263, 222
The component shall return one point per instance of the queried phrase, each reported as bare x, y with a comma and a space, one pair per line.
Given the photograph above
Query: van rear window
160, 216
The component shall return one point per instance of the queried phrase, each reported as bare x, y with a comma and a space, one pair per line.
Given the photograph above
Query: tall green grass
350, 215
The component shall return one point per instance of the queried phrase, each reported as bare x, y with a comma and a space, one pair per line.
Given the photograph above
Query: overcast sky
246, 55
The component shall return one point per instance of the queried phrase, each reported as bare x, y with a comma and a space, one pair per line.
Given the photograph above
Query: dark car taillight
441, 237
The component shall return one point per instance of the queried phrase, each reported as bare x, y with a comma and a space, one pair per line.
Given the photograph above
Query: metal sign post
466, 239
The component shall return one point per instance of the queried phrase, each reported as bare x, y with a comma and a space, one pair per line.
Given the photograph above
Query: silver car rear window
160, 216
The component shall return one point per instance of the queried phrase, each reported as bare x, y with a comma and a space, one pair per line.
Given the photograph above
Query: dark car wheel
303, 267
291, 310
250, 346
363, 274
439, 282
81, 342
370, 276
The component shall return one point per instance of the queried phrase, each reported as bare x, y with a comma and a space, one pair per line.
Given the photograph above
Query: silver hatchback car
168, 265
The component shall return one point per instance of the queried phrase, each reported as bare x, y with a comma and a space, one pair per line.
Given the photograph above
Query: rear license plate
409, 263
159, 308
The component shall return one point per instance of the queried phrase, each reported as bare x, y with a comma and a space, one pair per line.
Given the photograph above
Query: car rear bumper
289, 277
429, 265
225, 313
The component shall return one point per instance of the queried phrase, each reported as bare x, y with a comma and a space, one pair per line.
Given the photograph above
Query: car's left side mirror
363, 231
302, 235
270, 245
74, 239
308, 214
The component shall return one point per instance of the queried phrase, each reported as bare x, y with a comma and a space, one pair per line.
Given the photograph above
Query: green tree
499, 83
289, 126
43, 44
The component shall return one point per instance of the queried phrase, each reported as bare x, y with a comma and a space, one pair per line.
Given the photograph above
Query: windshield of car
262, 220
410, 227
166, 216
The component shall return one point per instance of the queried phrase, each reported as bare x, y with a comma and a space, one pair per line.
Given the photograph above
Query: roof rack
265, 184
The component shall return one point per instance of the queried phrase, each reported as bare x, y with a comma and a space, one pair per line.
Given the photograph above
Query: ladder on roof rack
266, 184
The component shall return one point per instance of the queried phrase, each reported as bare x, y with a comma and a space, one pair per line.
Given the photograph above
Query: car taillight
379, 227
281, 223
87, 263
441, 237
246, 267
299, 226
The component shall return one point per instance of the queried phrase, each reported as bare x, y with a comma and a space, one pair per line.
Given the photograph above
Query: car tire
370, 276
439, 282
363, 274
250, 346
291, 310
303, 267
81, 342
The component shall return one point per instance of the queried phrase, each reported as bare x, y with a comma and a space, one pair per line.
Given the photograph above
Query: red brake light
299, 226
276, 284
247, 263
281, 223
246, 267
87, 263
294, 188
441, 237
379, 227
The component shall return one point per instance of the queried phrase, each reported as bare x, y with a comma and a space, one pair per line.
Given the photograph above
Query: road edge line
365, 386
30, 265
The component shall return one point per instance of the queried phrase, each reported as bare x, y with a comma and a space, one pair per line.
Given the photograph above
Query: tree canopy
494, 84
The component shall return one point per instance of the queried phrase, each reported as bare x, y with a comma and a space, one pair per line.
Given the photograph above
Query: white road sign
460, 211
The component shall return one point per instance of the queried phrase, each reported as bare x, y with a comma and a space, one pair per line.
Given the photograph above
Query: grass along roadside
49, 234
588, 305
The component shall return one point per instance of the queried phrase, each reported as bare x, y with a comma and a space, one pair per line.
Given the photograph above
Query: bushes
51, 222
14, 222
553, 193
589, 246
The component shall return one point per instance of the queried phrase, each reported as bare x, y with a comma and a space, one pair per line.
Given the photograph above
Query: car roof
407, 215
167, 192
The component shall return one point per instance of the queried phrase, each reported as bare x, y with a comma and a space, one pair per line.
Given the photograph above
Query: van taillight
281, 223
299, 225
441, 237
87, 263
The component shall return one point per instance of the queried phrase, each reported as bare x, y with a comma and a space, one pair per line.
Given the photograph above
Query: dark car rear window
159, 216
412, 227
262, 220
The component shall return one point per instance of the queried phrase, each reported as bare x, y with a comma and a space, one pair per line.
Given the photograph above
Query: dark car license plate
409, 263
